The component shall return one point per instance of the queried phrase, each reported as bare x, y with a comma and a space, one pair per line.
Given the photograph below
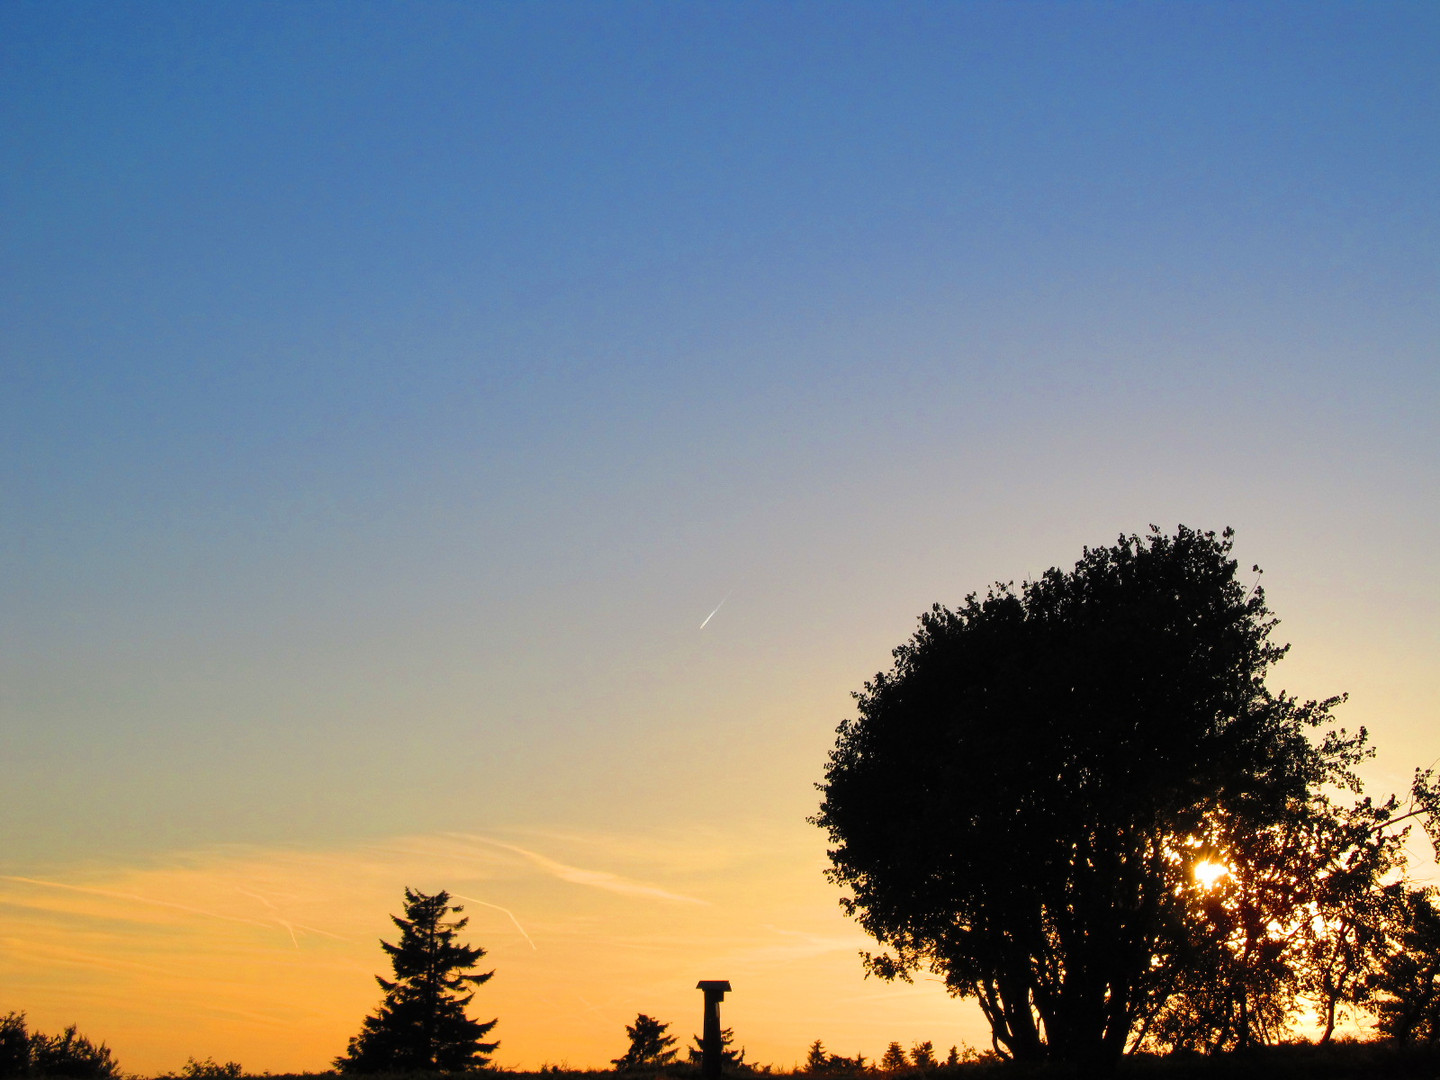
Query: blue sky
390, 391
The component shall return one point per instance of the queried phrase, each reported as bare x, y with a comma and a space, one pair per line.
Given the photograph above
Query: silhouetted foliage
71, 1054
730, 1058
1339, 1060
1408, 981
14, 1046
421, 1025
25, 1053
1022, 801
894, 1059
210, 1069
816, 1059
650, 1046
1303, 913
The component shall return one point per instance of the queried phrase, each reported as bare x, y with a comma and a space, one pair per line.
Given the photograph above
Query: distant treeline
1338, 1060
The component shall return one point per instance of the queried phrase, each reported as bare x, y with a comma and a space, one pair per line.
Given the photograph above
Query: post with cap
711, 1045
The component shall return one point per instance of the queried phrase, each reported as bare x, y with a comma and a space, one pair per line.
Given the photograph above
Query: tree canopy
26, 1053
1407, 980
1022, 802
651, 1047
421, 1025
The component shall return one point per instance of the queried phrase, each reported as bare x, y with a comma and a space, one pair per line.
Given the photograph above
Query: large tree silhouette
421, 1025
1022, 800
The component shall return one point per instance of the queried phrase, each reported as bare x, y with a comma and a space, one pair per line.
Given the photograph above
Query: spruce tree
817, 1060
650, 1046
730, 1058
421, 1024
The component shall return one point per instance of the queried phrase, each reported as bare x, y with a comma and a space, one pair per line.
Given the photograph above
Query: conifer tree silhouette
730, 1058
421, 1024
650, 1046
922, 1055
894, 1059
816, 1059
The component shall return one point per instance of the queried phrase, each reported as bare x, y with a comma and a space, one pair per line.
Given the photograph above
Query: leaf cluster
1407, 982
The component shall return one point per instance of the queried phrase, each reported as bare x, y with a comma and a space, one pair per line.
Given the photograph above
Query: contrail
717, 608
139, 900
292, 927
507, 911
598, 879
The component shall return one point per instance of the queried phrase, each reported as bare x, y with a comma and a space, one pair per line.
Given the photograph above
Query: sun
1208, 873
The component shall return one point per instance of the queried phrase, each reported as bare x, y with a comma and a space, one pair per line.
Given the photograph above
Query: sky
390, 392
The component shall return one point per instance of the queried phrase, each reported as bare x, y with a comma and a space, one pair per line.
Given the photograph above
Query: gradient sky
389, 391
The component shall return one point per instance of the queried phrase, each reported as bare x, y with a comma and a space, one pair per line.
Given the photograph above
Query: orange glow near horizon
267, 957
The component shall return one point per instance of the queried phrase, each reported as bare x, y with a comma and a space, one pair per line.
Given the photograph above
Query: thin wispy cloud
595, 879
132, 898
88, 959
510, 914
